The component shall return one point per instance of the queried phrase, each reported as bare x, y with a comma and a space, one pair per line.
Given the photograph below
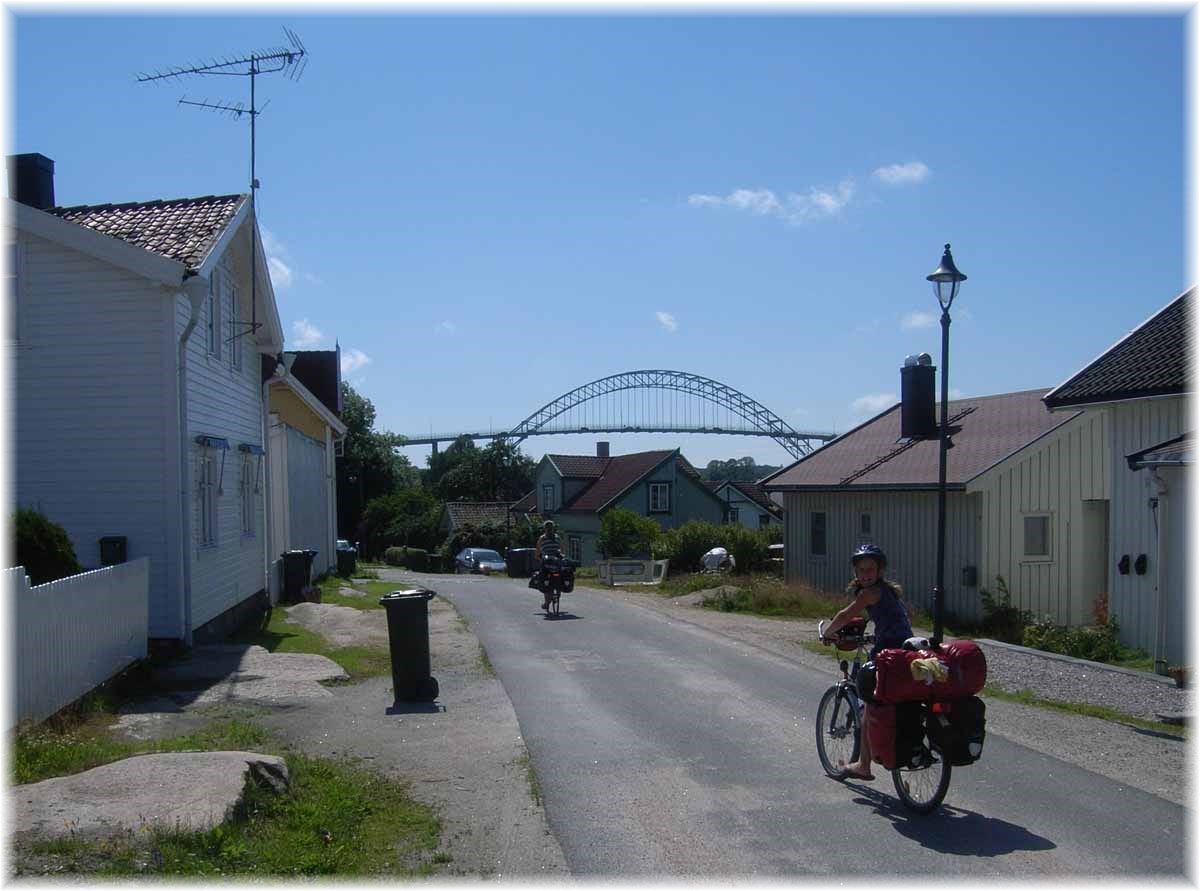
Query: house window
213, 312
246, 490
1037, 536
235, 342
731, 514
764, 520
816, 534
207, 497
864, 524
575, 548
660, 498
547, 498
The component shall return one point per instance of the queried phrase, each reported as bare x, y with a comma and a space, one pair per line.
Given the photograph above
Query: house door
1094, 560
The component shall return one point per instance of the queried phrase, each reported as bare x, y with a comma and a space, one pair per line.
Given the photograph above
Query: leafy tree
499, 472
742, 470
369, 466
408, 517
43, 548
624, 533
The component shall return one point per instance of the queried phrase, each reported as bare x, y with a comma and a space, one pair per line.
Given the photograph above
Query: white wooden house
869, 485
139, 405
1136, 391
303, 432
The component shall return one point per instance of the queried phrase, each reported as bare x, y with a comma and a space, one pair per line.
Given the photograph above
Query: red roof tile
183, 229
989, 429
579, 466
620, 472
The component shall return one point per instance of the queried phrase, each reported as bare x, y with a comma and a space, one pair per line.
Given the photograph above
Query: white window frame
247, 487
207, 489
547, 498
732, 514
235, 341
662, 503
812, 533
1048, 554
764, 521
575, 548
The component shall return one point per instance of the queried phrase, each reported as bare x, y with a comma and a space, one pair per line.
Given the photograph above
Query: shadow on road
414, 708
561, 617
952, 830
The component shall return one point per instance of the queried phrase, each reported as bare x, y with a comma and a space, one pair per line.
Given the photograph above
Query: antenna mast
291, 60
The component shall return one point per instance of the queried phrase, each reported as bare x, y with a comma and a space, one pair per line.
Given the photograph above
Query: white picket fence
74, 634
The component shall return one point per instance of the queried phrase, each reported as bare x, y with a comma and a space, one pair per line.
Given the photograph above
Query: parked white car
479, 560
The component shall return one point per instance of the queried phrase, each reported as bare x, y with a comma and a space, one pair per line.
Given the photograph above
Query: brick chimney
31, 180
601, 450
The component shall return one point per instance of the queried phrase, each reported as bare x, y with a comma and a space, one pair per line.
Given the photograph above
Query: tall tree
369, 466
737, 469
498, 472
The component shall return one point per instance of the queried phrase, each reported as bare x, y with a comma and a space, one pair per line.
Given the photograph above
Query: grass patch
337, 819
1028, 697
485, 664
535, 790
330, 585
281, 636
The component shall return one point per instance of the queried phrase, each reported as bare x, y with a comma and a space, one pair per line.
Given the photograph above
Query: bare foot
853, 771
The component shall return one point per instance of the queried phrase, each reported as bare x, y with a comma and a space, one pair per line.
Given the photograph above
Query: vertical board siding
904, 525
224, 402
74, 634
93, 383
1133, 599
308, 503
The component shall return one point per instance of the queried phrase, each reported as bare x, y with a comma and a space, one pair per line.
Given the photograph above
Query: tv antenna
291, 60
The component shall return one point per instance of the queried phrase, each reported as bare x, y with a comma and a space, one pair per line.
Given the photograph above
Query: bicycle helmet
869, 550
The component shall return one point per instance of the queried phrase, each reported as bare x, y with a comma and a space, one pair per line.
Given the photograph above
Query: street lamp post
946, 280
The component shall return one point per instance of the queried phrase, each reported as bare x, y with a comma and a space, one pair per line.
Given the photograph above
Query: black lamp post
946, 279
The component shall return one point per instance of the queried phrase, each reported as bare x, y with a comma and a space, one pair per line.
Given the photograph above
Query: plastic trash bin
346, 561
297, 574
520, 562
408, 640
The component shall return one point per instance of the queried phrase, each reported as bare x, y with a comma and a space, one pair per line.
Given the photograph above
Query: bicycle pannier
958, 729
866, 682
894, 681
881, 733
966, 670
910, 735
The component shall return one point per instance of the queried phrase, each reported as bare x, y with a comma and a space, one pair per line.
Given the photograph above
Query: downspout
1160, 505
268, 528
195, 289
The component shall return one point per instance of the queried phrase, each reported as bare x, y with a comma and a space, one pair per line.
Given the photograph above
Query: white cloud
307, 335
794, 208
917, 320
446, 327
902, 174
874, 403
353, 360
667, 321
281, 274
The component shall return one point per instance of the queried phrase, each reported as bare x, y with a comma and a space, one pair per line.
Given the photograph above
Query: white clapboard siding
1133, 600
1057, 476
76, 633
96, 382
904, 525
224, 402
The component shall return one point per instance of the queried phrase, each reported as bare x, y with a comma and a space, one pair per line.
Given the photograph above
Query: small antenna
291, 60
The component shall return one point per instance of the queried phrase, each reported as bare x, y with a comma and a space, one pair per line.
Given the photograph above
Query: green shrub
624, 533
1002, 620
1099, 643
749, 548
394, 556
485, 535
43, 548
415, 559
685, 545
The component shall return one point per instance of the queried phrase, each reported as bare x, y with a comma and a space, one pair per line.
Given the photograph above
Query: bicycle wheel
554, 598
922, 789
837, 730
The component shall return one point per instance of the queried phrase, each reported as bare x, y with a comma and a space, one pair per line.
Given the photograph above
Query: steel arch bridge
651, 401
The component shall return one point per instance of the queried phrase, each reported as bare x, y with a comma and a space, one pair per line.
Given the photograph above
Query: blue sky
487, 211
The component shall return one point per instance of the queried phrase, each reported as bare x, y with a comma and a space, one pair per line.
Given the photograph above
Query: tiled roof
477, 512
620, 472
579, 466
988, 429
183, 229
1152, 360
757, 494
527, 504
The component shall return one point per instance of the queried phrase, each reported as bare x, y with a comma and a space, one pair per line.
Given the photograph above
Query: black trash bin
520, 562
408, 640
297, 574
346, 561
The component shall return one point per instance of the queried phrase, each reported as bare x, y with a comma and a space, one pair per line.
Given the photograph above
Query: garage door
308, 497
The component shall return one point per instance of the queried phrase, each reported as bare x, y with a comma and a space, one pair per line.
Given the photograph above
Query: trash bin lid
410, 592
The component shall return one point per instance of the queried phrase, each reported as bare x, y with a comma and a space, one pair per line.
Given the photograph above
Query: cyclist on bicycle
880, 599
548, 545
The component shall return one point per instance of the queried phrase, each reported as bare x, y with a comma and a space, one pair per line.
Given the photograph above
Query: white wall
308, 505
748, 509
94, 411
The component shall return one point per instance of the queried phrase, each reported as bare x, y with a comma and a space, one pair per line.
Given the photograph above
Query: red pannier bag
881, 733
893, 677
966, 670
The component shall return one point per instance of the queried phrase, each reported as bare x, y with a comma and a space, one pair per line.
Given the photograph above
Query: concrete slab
184, 790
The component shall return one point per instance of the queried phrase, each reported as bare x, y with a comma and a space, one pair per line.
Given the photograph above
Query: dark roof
753, 491
477, 512
321, 373
619, 473
984, 430
183, 229
1151, 360
579, 466
527, 504
1174, 452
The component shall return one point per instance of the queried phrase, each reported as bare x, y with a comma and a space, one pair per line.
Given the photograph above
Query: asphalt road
663, 749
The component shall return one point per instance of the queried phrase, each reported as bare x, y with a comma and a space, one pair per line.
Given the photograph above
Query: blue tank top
891, 621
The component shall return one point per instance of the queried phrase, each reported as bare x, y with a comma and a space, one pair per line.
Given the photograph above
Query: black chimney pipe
31, 180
